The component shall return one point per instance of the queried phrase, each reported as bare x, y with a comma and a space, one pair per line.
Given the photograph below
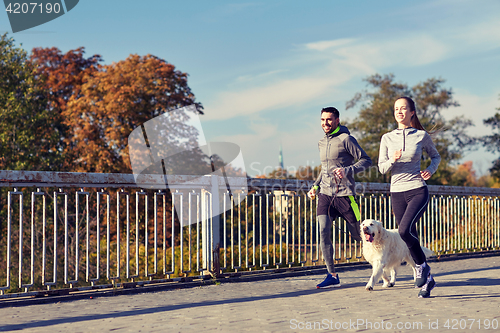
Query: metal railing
87, 230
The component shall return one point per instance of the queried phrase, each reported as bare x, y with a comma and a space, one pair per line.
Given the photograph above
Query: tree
27, 141
492, 143
463, 175
302, 173
62, 76
308, 173
376, 117
99, 106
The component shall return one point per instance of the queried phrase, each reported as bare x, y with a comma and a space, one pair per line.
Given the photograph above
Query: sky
263, 70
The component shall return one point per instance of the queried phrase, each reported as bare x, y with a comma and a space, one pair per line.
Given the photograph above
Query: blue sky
263, 70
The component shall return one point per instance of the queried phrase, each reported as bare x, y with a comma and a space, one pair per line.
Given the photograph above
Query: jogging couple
400, 153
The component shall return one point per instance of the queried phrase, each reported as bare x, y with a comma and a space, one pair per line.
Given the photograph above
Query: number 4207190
32, 8
455, 324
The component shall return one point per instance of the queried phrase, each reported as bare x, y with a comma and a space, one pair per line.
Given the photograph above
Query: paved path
466, 299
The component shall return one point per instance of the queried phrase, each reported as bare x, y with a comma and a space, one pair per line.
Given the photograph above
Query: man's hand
339, 173
312, 193
425, 174
397, 155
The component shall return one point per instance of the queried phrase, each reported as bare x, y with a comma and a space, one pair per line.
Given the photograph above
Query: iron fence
85, 230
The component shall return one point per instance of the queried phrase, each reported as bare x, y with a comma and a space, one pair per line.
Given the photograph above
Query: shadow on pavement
456, 284
50, 322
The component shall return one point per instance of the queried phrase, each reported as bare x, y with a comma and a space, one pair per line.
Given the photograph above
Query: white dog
385, 251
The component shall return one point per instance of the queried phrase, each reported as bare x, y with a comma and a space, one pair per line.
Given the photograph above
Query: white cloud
476, 108
416, 50
253, 100
341, 61
329, 44
471, 37
252, 146
327, 70
260, 147
261, 76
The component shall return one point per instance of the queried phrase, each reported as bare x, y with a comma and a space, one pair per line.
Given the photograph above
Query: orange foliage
99, 105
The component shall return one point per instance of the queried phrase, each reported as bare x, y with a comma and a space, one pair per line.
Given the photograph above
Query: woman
400, 153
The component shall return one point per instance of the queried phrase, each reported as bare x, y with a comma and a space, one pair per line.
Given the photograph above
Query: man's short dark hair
331, 109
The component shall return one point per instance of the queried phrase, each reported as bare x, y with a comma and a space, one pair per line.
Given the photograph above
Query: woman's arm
385, 162
431, 150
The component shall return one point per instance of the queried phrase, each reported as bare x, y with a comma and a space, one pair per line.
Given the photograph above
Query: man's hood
339, 130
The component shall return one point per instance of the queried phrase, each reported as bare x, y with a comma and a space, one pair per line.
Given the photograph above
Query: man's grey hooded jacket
340, 150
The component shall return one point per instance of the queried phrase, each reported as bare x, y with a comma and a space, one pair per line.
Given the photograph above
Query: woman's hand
339, 173
312, 194
425, 174
397, 155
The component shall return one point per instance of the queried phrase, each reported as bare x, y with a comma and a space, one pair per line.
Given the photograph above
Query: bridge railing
76, 231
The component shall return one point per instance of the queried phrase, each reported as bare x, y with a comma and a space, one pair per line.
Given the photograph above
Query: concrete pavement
466, 299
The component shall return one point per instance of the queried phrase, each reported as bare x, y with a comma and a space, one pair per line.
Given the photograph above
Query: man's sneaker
330, 282
426, 289
423, 272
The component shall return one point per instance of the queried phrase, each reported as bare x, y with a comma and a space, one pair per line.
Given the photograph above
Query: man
338, 152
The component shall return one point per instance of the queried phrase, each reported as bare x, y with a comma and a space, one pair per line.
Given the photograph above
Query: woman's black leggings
408, 207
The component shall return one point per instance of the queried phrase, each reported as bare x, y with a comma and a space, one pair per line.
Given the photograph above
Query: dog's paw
390, 285
369, 288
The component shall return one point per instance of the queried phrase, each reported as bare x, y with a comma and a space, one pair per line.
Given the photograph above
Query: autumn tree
100, 105
492, 143
463, 175
302, 173
376, 117
62, 75
308, 173
27, 141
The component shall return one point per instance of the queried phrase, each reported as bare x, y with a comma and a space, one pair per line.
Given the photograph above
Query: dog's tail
428, 253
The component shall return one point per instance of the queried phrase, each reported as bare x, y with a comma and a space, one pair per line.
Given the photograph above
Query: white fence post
216, 211
210, 206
